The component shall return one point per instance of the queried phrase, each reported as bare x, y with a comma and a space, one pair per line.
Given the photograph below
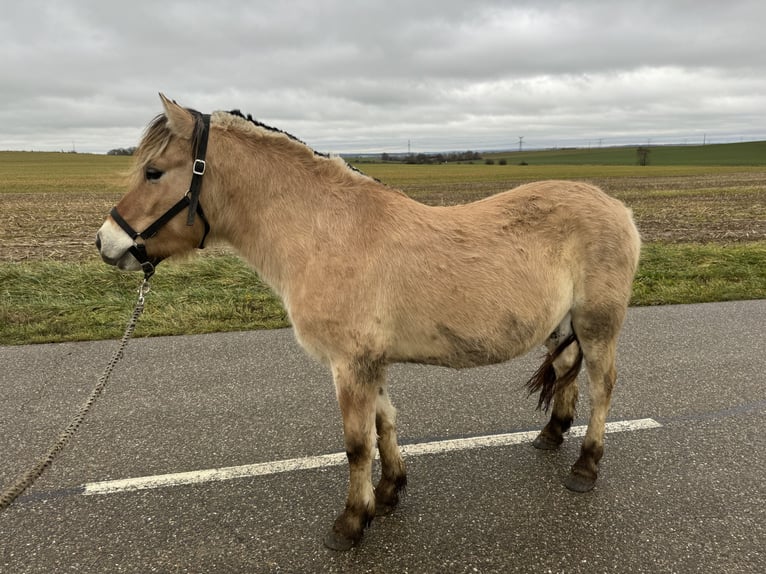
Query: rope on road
25, 481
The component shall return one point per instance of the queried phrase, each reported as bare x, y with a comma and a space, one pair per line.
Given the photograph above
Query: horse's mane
272, 129
157, 137
276, 131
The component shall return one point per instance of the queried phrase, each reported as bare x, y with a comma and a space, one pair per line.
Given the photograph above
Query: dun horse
371, 277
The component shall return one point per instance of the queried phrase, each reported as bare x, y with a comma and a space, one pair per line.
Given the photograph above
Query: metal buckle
199, 167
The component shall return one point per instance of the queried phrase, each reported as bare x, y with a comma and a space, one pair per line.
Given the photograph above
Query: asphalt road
686, 497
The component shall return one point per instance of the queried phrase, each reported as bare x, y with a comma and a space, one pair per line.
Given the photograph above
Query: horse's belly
449, 346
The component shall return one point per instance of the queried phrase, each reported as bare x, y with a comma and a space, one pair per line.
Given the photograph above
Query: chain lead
10, 494
143, 290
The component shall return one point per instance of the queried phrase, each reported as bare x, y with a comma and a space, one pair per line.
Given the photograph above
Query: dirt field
51, 225
696, 209
724, 208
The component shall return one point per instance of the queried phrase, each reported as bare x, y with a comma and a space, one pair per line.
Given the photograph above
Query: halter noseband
190, 200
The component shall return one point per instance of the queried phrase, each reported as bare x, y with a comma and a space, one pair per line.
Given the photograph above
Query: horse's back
560, 206
470, 284
594, 230
485, 281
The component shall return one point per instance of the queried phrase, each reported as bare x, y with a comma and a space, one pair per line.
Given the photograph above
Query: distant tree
643, 155
426, 158
489, 162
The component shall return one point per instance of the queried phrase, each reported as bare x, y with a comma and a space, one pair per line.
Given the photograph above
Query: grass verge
49, 301
694, 273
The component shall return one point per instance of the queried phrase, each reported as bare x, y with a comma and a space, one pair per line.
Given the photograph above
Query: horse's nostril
98, 242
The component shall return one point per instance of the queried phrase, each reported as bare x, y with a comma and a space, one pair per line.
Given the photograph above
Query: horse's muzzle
113, 245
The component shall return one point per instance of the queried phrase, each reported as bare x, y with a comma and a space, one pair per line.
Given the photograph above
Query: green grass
49, 301
404, 175
692, 273
733, 154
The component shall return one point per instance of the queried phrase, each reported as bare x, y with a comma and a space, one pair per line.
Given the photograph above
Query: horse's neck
280, 219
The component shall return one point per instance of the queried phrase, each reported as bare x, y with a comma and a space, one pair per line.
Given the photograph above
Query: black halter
190, 200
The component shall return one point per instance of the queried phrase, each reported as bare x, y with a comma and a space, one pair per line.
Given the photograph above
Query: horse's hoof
388, 493
544, 442
335, 541
384, 509
579, 483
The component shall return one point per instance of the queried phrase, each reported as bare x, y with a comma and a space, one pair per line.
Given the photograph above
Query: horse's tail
544, 379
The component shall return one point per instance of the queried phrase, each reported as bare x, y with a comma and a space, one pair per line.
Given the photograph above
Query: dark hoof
545, 442
335, 541
384, 509
388, 493
386, 504
579, 483
348, 529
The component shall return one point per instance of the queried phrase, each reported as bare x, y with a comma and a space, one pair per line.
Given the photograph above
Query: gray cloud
369, 76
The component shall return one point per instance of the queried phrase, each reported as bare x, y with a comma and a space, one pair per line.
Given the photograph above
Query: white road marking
328, 460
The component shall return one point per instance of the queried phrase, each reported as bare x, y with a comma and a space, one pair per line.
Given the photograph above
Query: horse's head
160, 215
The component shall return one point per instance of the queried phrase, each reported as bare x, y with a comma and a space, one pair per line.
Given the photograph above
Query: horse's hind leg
564, 402
599, 345
356, 385
563, 369
393, 477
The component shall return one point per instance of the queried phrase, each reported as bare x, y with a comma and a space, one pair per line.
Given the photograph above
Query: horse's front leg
356, 388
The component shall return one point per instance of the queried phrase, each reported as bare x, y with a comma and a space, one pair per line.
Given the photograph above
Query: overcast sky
363, 76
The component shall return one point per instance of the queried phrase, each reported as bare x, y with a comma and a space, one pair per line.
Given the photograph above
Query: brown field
723, 208
700, 206
704, 230
54, 226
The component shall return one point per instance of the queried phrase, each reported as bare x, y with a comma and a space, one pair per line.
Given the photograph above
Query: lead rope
25, 481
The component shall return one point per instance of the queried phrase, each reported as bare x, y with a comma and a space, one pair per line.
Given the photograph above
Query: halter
190, 200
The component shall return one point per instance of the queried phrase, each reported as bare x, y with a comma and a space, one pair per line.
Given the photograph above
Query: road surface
684, 492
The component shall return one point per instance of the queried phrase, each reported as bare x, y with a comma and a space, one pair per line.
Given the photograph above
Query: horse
370, 277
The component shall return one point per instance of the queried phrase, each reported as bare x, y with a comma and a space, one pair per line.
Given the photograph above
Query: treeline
122, 151
429, 158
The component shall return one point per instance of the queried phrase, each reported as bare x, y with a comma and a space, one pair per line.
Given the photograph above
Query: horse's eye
153, 174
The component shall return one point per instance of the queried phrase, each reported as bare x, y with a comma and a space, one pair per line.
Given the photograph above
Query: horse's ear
180, 120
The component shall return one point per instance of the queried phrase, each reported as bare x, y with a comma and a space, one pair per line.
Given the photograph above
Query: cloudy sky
364, 76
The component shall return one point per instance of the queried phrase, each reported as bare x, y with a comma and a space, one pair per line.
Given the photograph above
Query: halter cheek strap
190, 201
198, 170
